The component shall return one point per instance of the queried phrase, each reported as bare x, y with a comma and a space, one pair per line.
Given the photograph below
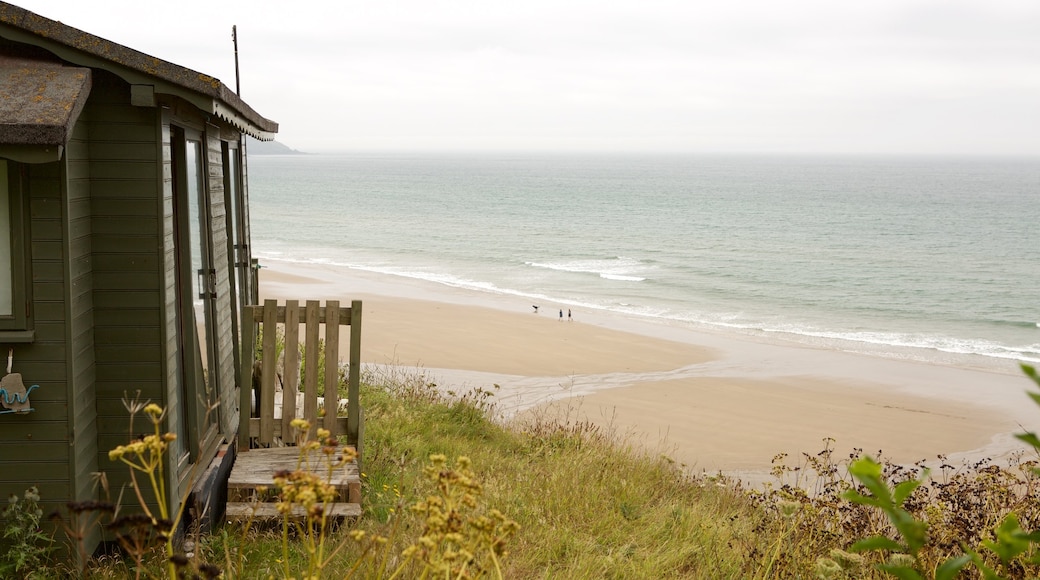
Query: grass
590, 504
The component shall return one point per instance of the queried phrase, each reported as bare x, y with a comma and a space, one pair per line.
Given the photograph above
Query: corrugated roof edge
53, 31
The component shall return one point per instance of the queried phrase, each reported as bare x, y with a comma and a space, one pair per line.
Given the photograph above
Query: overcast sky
798, 76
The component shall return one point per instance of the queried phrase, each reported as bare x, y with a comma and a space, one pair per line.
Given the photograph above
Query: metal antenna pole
234, 39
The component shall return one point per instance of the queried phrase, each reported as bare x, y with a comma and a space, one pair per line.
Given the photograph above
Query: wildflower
901, 560
846, 560
154, 410
789, 508
827, 569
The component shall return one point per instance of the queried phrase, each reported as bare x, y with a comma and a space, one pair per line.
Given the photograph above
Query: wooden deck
255, 470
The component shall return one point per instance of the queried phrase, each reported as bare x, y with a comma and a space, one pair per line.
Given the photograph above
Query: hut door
196, 286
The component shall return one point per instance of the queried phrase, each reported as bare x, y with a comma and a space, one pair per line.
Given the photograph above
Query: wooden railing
262, 428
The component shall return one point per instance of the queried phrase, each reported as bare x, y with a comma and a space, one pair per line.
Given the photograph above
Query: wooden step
254, 471
256, 468
268, 510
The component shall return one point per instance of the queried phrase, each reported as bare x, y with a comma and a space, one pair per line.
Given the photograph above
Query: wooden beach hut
124, 259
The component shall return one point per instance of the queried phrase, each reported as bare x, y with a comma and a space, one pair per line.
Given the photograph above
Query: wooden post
248, 337
291, 384
354, 378
269, 371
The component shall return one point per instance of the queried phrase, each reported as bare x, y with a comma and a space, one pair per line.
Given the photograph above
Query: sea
913, 257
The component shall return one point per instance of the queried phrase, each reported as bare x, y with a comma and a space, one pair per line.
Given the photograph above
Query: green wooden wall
105, 298
79, 314
127, 271
35, 447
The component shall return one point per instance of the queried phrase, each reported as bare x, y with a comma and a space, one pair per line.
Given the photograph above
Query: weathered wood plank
47, 230
127, 208
257, 468
130, 226
268, 373
344, 315
310, 391
291, 384
331, 370
20, 451
123, 261
289, 435
266, 511
245, 392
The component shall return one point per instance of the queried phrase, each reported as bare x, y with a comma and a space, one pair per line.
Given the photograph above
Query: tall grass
590, 503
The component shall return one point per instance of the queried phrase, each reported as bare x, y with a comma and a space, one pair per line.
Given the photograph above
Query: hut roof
40, 100
137, 68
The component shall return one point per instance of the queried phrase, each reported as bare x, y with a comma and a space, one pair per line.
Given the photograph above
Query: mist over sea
925, 258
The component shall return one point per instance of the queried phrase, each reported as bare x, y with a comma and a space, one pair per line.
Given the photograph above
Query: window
14, 305
196, 305
239, 251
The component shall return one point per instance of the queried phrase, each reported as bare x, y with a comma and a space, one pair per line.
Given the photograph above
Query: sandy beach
713, 401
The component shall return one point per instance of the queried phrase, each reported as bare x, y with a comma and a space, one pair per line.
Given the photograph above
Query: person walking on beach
569, 319
561, 315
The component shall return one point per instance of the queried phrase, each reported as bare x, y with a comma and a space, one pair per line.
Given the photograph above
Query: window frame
18, 326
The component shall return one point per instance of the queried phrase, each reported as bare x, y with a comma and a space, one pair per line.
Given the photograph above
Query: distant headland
257, 147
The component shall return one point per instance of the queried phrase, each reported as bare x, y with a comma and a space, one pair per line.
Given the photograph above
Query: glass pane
236, 236
6, 271
193, 166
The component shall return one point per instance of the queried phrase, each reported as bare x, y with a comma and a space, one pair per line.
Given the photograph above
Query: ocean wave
737, 321
947, 344
1017, 323
439, 278
618, 268
1029, 353
622, 277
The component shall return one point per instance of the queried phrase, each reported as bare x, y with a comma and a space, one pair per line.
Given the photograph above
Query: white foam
622, 278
